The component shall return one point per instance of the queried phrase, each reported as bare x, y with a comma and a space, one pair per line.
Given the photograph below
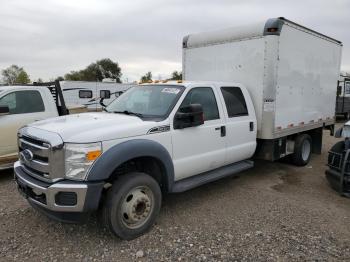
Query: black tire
123, 199
299, 158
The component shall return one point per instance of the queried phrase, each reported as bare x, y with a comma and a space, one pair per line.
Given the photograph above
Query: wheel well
149, 165
274, 149
316, 137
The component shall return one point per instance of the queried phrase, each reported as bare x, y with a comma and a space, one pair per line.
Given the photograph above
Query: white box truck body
290, 71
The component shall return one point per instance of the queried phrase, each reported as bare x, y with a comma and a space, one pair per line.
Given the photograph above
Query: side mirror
338, 133
189, 116
105, 94
4, 110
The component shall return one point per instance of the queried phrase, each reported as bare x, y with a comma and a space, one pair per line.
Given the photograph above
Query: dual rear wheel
302, 150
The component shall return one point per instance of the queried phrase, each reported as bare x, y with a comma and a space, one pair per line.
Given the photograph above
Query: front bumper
63, 200
334, 177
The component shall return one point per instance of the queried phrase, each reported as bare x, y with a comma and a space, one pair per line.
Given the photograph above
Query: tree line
96, 71
148, 77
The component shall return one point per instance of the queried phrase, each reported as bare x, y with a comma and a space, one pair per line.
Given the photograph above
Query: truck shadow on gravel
175, 206
265, 175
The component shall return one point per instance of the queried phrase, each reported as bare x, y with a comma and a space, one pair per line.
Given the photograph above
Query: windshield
154, 101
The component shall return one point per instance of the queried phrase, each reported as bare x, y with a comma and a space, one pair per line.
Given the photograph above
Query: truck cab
342, 107
21, 105
166, 137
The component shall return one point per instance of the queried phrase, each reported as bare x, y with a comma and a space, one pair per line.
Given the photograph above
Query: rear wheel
302, 150
132, 205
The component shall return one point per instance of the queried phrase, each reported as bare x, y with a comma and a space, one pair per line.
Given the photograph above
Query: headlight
79, 158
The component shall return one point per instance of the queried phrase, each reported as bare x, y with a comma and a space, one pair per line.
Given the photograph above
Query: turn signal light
93, 155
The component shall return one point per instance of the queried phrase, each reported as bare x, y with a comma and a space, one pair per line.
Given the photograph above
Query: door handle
251, 126
222, 130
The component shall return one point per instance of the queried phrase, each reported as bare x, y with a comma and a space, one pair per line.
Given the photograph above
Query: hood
93, 127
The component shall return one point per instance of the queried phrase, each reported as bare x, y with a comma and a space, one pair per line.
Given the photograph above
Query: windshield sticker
171, 90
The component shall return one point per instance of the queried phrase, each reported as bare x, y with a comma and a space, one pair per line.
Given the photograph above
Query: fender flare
121, 153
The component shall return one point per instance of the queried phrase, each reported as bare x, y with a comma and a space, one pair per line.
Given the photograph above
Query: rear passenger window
235, 102
205, 97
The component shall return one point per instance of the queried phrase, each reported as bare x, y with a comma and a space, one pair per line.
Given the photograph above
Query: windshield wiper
126, 112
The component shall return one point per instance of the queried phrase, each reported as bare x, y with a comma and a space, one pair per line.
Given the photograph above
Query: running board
210, 176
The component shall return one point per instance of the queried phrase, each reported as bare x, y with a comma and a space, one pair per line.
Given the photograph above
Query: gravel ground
274, 212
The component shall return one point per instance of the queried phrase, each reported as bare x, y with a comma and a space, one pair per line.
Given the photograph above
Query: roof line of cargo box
291, 22
272, 26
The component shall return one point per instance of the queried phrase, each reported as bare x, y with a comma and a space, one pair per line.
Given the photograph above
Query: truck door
201, 148
240, 124
25, 106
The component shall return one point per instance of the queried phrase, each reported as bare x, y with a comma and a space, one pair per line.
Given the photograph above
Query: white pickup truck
269, 91
21, 105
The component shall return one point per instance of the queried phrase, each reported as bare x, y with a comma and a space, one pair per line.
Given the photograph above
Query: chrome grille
41, 154
39, 164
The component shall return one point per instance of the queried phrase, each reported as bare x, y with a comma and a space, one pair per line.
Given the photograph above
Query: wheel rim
137, 207
306, 150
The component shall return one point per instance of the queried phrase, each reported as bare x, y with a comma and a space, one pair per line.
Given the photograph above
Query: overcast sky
52, 37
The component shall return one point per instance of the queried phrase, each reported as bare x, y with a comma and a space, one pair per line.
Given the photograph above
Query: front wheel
132, 205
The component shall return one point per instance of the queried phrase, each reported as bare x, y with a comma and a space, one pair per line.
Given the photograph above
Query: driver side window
205, 97
10, 101
22, 102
